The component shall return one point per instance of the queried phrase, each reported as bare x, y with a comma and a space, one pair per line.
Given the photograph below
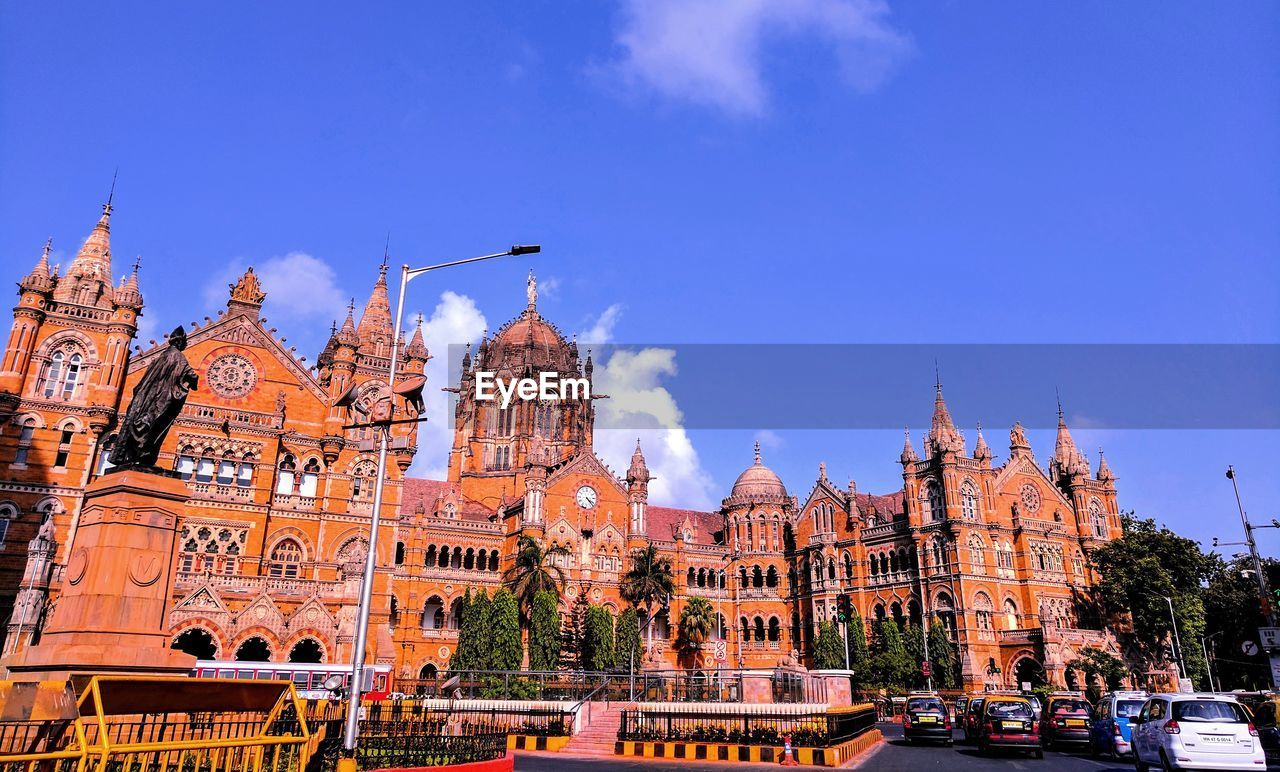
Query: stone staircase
598, 737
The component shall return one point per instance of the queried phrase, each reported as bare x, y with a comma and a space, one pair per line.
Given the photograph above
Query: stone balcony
235, 584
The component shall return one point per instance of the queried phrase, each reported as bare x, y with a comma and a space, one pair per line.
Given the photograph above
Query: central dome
530, 342
758, 481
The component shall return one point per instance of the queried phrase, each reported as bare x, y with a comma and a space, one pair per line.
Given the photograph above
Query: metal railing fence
813, 730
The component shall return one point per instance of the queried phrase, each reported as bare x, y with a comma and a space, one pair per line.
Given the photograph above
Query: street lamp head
526, 249
1231, 473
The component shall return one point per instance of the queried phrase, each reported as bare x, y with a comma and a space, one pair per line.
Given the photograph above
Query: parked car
1066, 721
1111, 730
972, 718
1009, 722
1266, 713
1201, 731
926, 718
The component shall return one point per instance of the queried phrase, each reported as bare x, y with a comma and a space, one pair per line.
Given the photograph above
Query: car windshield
1128, 708
925, 703
1070, 706
1209, 711
1009, 710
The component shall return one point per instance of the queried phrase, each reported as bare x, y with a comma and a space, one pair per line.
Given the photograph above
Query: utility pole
1263, 595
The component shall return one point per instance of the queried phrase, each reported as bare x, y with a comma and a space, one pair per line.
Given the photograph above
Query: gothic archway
306, 650
255, 649
197, 642
1027, 670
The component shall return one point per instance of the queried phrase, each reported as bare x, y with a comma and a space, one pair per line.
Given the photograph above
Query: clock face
586, 497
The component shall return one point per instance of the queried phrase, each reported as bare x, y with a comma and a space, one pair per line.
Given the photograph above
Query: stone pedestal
110, 616
837, 684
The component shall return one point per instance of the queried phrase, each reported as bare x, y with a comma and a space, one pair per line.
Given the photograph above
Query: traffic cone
787, 759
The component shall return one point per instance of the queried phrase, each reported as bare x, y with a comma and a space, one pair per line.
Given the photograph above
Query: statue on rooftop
157, 400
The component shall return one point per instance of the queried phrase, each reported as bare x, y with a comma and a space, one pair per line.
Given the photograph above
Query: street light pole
384, 430
1177, 640
1253, 545
1204, 648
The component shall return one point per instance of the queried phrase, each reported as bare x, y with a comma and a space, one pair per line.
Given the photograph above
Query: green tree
534, 571
1136, 570
1096, 664
597, 643
472, 651
828, 650
626, 639
648, 583
544, 632
697, 622
859, 654
913, 642
506, 648
1234, 614
893, 664
942, 656
575, 627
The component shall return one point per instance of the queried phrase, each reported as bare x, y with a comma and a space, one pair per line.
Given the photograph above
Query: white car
1195, 731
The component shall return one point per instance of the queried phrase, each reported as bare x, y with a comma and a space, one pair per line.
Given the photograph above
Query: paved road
894, 756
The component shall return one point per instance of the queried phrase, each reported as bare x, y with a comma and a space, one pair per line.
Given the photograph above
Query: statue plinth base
111, 614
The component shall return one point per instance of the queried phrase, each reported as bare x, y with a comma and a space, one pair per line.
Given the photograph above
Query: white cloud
299, 287
549, 288
455, 321
710, 51
148, 329
769, 439
638, 401
602, 330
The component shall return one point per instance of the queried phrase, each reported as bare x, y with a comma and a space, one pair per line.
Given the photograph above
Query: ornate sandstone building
274, 536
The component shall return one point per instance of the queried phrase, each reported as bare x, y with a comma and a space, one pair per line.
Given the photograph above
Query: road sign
1249, 648
721, 651
1269, 637
926, 668
1275, 671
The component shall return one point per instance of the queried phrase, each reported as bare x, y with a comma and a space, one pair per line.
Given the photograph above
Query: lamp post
1204, 647
1177, 641
1253, 545
384, 428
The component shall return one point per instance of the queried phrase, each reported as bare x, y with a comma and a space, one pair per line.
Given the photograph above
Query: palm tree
647, 583
697, 621
534, 571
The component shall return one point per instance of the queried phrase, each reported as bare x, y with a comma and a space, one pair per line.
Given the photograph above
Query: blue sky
799, 171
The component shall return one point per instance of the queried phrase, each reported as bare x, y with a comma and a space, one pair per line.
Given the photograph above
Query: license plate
1011, 724
1076, 722
1217, 739
927, 719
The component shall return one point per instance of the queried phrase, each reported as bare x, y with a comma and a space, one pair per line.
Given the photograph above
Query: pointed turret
981, 451
375, 323
1067, 458
128, 293
639, 470
41, 277
1104, 469
943, 434
417, 348
347, 336
908, 452
88, 280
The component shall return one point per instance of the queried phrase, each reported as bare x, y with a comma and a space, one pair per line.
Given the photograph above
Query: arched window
757, 577
1097, 519
254, 649
977, 554
775, 630
104, 455
874, 565
362, 478
433, 614
831, 569
25, 437
982, 611
931, 506
205, 466
286, 560
745, 630
196, 642
399, 553
310, 478
1010, 615
771, 577
848, 566
969, 501
285, 478
758, 629
306, 650
226, 469
53, 375
395, 612
244, 478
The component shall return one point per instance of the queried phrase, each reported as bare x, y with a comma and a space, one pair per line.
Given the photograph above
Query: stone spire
375, 324
128, 294
908, 452
347, 335
638, 472
981, 451
1067, 458
1104, 469
417, 348
943, 434
88, 280
41, 277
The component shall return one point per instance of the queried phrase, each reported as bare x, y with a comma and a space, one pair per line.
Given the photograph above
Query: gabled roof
417, 491
662, 523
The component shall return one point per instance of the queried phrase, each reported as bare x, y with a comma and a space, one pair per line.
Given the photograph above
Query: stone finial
247, 290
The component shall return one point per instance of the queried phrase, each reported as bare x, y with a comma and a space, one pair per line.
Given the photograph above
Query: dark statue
157, 400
